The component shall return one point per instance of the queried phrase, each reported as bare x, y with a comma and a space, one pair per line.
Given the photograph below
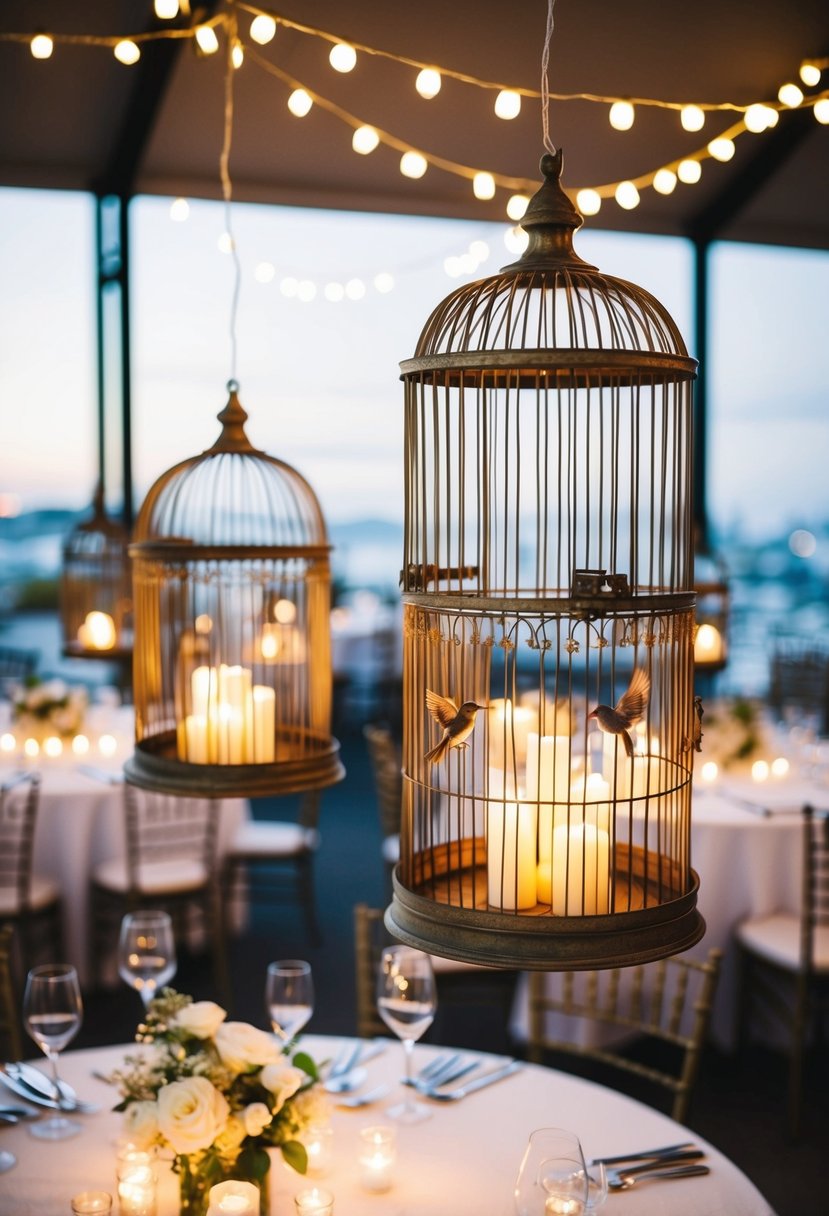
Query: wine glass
406, 1001
553, 1176
289, 996
147, 952
52, 1015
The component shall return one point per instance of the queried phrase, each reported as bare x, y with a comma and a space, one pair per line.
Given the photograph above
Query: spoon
366, 1099
623, 1182
7, 1161
344, 1082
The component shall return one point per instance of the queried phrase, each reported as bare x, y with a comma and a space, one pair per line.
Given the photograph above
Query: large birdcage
95, 588
232, 662
548, 708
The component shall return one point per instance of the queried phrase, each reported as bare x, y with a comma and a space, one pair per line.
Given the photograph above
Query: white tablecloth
462, 1161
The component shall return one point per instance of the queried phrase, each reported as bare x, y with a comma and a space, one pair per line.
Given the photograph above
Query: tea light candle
317, 1140
236, 1197
107, 745
779, 767
560, 1205
91, 1203
314, 1202
759, 770
377, 1157
136, 1188
709, 771
80, 745
97, 632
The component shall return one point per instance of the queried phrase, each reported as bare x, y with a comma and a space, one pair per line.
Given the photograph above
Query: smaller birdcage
95, 588
232, 663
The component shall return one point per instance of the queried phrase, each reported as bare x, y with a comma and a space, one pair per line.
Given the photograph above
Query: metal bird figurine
629, 709
456, 723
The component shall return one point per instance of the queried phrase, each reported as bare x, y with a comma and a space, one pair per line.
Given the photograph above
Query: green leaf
295, 1155
303, 1060
253, 1163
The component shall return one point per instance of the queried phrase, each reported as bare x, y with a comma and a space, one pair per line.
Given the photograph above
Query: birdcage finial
550, 220
233, 418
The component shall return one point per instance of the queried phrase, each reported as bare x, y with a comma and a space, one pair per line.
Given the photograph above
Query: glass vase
195, 1183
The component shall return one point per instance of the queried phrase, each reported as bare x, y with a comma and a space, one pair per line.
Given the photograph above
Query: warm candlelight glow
53, 746
759, 770
7, 742
377, 1157
240, 1198
577, 881
709, 771
708, 645
107, 745
97, 632
779, 767
314, 1202
233, 720
80, 745
31, 748
511, 832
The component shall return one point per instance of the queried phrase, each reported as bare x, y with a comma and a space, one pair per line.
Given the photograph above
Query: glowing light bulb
126, 52
692, 118
809, 74
508, 104
299, 103
355, 289
41, 46
821, 110
516, 240
206, 39
342, 57
383, 282
412, 164
621, 115
289, 287
284, 612
589, 202
237, 55
790, 95
334, 292
428, 83
722, 149
664, 181
262, 29
516, 206
365, 140
166, 10
452, 266
483, 185
264, 272
627, 196
306, 291
179, 210
689, 171
479, 251
758, 117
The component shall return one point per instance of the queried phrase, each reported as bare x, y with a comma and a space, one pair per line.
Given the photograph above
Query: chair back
815, 905
667, 1001
11, 1046
19, 800
799, 680
16, 664
387, 768
370, 936
168, 830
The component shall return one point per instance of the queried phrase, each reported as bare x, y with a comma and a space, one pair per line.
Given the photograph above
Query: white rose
191, 1114
256, 1118
243, 1047
141, 1123
283, 1080
201, 1019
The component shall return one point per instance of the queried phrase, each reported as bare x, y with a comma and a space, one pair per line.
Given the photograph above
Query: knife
646, 1155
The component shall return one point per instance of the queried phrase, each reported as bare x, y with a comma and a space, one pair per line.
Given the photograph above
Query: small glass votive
318, 1141
239, 1197
314, 1202
136, 1188
378, 1153
92, 1203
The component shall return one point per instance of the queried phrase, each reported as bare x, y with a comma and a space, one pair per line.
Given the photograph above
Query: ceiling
80, 120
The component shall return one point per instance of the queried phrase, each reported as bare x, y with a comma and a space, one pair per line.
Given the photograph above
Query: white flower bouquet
48, 707
216, 1095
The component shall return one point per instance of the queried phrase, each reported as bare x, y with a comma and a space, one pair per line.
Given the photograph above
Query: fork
623, 1180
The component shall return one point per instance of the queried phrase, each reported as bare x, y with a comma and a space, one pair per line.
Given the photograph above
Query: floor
739, 1102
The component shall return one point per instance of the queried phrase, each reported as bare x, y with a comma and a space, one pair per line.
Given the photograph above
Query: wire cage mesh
96, 588
548, 702
232, 665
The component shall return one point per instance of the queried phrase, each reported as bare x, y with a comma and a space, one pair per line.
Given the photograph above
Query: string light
264, 272
364, 140
483, 185
126, 52
589, 202
206, 39
355, 289
306, 291
300, 102
516, 206
692, 118
722, 149
790, 95
383, 282
412, 164
166, 10
263, 29
664, 181
508, 104
809, 73
334, 292
343, 57
179, 210
516, 240
689, 171
621, 115
428, 83
627, 196
759, 117
237, 55
41, 46
821, 110
289, 287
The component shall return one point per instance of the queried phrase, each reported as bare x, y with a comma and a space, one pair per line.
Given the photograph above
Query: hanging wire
227, 189
545, 79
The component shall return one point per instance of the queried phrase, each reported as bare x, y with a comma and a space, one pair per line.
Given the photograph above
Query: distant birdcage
232, 664
95, 588
548, 704
712, 612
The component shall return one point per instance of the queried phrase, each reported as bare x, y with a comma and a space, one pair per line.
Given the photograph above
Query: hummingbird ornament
457, 723
629, 709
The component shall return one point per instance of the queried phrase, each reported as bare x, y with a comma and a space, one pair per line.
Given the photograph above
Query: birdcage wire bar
232, 670
548, 571
96, 588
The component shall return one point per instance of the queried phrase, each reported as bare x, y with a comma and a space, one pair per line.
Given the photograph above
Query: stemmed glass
406, 1001
553, 1175
52, 1015
147, 952
289, 996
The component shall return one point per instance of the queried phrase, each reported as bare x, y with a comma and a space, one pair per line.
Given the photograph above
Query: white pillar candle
264, 724
509, 728
548, 782
377, 1157
511, 841
240, 1198
577, 881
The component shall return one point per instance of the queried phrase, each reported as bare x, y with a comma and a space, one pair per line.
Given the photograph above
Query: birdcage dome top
232, 495
550, 300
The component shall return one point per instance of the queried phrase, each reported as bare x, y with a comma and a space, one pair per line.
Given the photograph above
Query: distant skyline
320, 380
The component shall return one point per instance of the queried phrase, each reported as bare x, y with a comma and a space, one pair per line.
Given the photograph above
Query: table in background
463, 1160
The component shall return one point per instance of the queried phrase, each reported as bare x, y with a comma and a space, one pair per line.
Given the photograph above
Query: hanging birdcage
95, 588
232, 664
548, 715
711, 586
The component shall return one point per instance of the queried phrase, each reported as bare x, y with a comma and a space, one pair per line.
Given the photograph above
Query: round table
463, 1160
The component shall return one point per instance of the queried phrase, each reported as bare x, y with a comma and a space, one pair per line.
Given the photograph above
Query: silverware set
29, 1083
348, 1073
673, 1161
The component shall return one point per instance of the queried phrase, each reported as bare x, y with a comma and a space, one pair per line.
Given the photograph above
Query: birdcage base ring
155, 766
74, 650
545, 942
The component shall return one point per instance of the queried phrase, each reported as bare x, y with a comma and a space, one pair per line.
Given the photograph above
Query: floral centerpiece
216, 1095
48, 707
